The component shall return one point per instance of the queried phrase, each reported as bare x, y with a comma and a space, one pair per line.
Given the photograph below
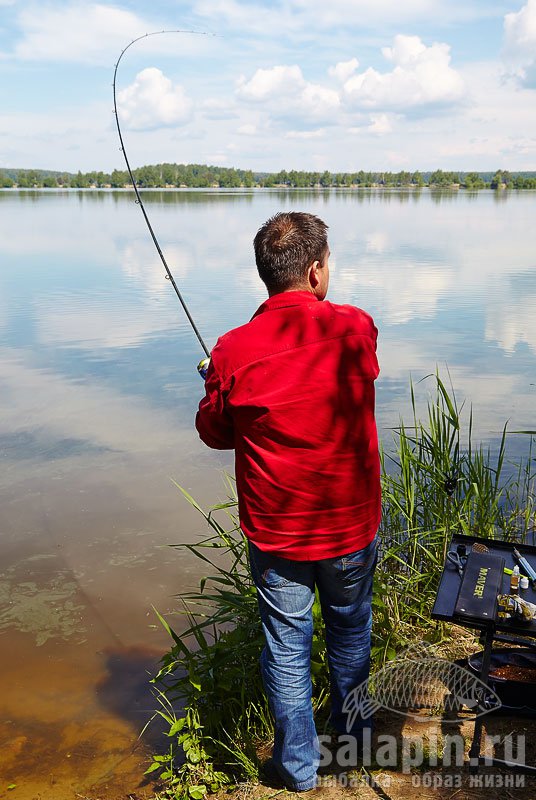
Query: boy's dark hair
286, 246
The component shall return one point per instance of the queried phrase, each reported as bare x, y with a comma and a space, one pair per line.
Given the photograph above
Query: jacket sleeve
213, 422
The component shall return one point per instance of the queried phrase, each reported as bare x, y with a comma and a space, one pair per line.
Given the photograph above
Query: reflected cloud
58, 225
510, 319
26, 444
377, 242
400, 293
495, 397
99, 325
432, 274
117, 318
413, 293
512, 326
44, 403
140, 262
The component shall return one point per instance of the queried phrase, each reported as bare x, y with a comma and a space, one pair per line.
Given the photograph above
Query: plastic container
514, 581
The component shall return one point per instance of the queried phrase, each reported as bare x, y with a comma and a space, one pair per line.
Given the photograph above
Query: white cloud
520, 42
497, 128
247, 130
364, 12
306, 17
271, 114
90, 33
319, 133
217, 158
284, 92
280, 81
380, 124
217, 108
421, 76
343, 69
152, 101
86, 33
257, 19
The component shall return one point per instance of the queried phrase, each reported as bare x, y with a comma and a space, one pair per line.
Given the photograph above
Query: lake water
98, 390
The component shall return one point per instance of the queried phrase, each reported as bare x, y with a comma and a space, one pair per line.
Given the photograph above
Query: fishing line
139, 201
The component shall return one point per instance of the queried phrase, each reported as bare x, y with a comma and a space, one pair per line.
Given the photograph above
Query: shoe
269, 774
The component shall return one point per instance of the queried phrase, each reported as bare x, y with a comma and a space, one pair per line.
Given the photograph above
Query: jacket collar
285, 300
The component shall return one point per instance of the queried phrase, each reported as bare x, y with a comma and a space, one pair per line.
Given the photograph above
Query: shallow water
98, 390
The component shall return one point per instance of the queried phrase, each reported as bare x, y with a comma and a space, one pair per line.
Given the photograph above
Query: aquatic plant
434, 483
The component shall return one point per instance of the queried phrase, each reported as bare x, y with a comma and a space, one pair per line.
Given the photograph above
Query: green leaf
154, 766
169, 630
197, 792
189, 498
177, 726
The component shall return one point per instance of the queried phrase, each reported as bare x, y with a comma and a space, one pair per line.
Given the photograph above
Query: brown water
98, 390
85, 560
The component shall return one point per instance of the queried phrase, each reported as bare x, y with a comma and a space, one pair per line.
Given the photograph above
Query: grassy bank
435, 482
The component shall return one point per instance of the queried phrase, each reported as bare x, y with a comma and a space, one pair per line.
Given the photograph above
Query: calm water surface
98, 391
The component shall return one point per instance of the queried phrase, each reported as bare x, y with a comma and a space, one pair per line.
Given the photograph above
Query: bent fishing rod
203, 364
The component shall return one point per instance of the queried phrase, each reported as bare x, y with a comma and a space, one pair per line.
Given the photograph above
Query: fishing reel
202, 367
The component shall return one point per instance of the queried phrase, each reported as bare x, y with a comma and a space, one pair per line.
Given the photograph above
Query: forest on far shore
202, 176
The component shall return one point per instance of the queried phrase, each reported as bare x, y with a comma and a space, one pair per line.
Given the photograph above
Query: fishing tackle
202, 367
512, 606
139, 201
450, 483
526, 566
458, 558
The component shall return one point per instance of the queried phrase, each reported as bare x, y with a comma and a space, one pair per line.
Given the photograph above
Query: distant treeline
202, 176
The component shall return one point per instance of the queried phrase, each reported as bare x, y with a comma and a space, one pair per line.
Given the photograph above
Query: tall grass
435, 482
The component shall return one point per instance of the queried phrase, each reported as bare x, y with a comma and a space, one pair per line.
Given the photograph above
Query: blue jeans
286, 593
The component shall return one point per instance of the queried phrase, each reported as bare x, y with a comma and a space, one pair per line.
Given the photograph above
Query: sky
341, 85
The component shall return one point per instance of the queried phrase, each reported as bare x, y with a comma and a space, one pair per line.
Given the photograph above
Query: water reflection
449, 277
98, 391
510, 319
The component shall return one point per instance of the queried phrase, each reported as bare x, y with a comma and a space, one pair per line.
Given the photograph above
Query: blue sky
306, 84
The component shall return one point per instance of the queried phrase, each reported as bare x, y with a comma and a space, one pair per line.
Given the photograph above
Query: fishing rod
203, 364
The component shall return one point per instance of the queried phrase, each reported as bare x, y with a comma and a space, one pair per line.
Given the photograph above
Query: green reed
435, 482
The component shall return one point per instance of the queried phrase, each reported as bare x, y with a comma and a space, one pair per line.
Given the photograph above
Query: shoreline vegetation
435, 482
202, 176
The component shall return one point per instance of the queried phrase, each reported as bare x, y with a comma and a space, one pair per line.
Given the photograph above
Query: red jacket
292, 391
